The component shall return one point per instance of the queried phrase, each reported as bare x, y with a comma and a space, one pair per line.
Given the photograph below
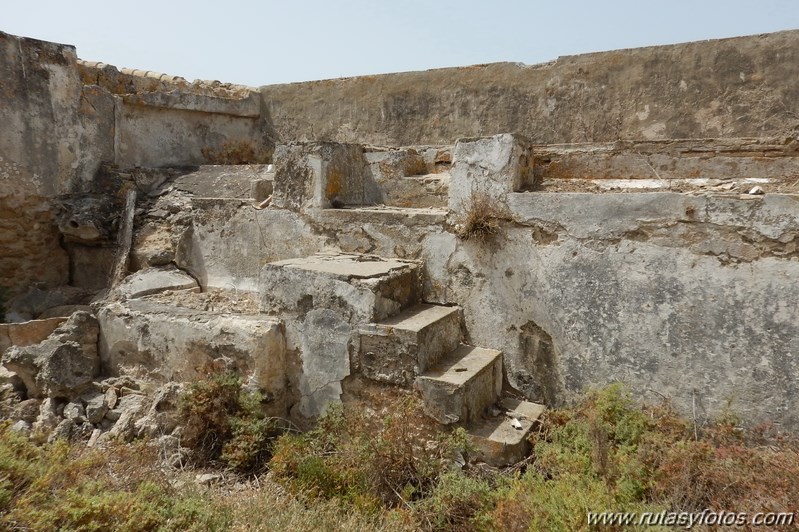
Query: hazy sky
258, 43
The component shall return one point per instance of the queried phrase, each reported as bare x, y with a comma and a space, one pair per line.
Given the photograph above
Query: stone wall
160, 120
724, 88
39, 149
62, 119
688, 297
681, 295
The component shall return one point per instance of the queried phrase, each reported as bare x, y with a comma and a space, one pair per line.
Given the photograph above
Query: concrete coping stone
346, 266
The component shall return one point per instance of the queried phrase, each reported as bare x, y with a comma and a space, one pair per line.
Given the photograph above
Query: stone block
233, 181
27, 332
322, 175
462, 385
400, 348
61, 365
34, 301
154, 280
362, 288
168, 343
489, 166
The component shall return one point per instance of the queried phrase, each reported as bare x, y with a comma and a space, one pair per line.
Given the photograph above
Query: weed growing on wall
482, 219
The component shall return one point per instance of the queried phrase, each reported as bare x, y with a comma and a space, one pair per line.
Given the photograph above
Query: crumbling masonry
643, 228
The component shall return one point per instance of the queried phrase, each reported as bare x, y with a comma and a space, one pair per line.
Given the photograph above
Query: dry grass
265, 505
58, 487
483, 218
362, 470
224, 424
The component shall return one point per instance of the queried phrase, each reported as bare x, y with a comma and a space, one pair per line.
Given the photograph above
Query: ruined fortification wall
687, 297
722, 88
62, 119
683, 295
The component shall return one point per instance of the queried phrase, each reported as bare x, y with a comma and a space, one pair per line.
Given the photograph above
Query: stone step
498, 441
361, 288
462, 385
398, 349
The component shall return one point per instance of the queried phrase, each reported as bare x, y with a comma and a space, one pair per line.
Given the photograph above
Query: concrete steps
350, 304
462, 385
398, 349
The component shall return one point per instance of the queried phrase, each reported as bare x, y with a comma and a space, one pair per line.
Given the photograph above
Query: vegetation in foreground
389, 472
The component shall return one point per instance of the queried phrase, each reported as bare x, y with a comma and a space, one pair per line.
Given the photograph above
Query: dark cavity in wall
540, 380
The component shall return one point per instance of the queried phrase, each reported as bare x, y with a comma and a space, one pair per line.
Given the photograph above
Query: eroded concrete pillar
322, 175
489, 166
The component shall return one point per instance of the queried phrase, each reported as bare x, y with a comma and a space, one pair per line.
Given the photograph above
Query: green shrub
586, 460
224, 422
610, 454
365, 460
58, 487
457, 502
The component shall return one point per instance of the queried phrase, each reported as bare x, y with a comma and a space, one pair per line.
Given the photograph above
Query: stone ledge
248, 107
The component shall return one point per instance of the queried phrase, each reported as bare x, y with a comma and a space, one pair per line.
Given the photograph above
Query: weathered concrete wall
738, 87
39, 151
683, 296
160, 120
178, 344
688, 296
229, 241
161, 131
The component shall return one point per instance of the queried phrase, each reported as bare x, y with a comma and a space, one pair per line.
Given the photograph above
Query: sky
260, 43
